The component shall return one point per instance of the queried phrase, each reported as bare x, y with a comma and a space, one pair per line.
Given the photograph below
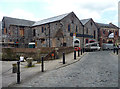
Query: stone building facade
91, 29
16, 32
58, 31
107, 33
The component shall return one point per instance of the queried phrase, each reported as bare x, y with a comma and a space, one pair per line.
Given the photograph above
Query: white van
92, 46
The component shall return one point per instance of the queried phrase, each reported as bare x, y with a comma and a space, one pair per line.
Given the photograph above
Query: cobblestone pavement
97, 69
9, 78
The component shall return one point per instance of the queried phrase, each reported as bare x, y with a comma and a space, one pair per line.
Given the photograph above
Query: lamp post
61, 25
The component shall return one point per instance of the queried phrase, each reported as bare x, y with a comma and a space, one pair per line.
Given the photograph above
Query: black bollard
78, 52
18, 72
117, 51
114, 50
74, 54
63, 58
54, 54
81, 51
42, 65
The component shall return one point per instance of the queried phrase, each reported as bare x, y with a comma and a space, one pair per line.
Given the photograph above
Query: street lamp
61, 25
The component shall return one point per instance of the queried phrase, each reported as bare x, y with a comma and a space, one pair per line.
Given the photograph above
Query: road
96, 69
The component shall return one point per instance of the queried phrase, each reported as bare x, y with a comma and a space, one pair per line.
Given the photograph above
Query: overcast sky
104, 11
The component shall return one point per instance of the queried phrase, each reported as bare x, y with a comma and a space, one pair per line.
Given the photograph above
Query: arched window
76, 41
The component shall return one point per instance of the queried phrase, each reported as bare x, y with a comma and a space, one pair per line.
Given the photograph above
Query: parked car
119, 46
107, 46
92, 46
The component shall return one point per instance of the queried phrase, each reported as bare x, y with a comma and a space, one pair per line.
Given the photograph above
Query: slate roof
84, 21
15, 21
49, 20
110, 25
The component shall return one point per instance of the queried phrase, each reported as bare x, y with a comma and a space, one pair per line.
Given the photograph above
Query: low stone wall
35, 53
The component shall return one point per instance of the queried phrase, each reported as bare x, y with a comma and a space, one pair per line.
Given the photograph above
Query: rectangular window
21, 32
5, 30
34, 33
94, 34
116, 33
42, 29
69, 28
87, 31
76, 29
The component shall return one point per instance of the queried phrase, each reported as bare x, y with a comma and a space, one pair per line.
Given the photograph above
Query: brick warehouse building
107, 33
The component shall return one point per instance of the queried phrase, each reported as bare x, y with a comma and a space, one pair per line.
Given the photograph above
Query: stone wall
36, 53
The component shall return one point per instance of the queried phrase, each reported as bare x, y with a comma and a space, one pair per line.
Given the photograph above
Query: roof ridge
17, 18
51, 19
86, 19
55, 16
